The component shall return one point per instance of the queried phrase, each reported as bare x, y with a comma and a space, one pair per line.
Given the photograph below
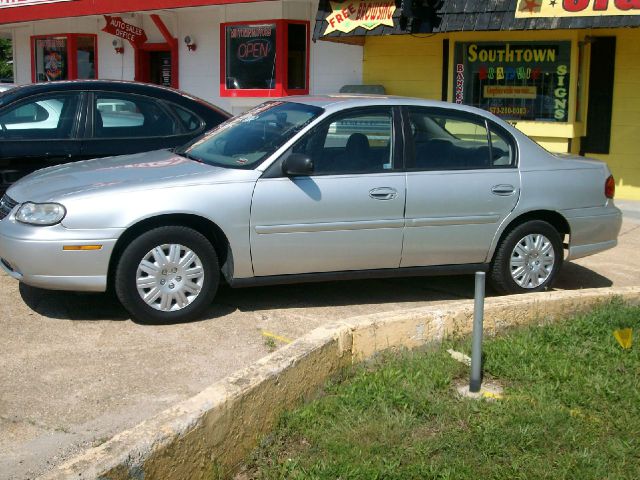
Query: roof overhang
79, 8
461, 16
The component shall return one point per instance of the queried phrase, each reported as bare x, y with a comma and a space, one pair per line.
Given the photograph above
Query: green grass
571, 410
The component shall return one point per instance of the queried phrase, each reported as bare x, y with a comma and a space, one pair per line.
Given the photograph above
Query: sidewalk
630, 209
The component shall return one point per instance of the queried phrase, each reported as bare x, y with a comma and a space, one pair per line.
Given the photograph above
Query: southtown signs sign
576, 8
25, 3
348, 15
118, 27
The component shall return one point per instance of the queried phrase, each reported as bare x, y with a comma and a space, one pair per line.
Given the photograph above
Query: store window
261, 59
514, 80
64, 57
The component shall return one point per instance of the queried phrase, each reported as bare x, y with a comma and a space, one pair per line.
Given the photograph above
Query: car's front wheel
167, 275
528, 259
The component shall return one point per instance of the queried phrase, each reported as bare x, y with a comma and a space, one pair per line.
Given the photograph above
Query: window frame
282, 63
72, 53
91, 126
409, 153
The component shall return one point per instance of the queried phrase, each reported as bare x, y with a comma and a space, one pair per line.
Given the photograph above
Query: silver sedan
304, 189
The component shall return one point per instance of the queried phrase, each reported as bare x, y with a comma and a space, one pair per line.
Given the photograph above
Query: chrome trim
328, 226
437, 221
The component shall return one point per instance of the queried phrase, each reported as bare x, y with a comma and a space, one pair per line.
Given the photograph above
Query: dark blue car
57, 122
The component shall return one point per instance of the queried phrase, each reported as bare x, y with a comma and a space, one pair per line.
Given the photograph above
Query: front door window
356, 142
41, 118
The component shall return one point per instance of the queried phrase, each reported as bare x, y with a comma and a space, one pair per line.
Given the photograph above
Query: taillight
610, 187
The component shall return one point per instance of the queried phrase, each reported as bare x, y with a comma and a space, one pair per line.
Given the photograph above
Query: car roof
342, 101
123, 86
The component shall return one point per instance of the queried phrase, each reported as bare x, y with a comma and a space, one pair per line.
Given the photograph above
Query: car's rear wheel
528, 259
167, 275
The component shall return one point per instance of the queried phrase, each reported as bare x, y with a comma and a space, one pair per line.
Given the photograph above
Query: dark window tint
448, 142
131, 116
358, 142
44, 117
190, 121
297, 53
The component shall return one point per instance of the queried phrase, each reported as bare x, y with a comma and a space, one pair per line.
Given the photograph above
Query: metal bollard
476, 346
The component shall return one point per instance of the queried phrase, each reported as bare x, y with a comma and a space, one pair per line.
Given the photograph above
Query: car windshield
246, 140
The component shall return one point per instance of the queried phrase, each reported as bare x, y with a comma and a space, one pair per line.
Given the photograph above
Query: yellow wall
412, 66
624, 156
405, 65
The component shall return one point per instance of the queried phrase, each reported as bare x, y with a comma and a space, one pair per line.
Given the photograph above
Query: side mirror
297, 164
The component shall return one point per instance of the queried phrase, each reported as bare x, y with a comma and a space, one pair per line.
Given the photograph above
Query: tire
528, 259
156, 288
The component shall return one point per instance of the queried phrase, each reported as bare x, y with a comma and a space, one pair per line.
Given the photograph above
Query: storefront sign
250, 56
515, 80
26, 3
510, 91
118, 27
351, 14
576, 8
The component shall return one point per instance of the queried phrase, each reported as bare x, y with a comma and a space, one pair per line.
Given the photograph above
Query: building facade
232, 53
566, 73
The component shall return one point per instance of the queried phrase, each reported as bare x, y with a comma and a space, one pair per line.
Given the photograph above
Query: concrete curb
215, 430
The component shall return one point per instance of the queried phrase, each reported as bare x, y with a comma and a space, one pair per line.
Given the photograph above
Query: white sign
27, 3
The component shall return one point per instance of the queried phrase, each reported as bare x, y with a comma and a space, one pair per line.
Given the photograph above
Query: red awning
78, 8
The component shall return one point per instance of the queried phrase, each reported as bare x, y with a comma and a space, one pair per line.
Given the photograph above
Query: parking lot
76, 370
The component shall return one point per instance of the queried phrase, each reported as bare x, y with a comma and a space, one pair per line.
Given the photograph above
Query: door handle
383, 193
503, 190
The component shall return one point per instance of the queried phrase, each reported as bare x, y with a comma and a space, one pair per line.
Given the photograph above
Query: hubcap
169, 277
532, 261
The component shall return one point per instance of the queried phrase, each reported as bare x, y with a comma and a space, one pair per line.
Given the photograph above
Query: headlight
40, 213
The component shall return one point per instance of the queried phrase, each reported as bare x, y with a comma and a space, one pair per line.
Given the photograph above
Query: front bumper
35, 256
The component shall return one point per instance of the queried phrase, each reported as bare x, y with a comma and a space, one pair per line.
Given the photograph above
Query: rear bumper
593, 231
35, 256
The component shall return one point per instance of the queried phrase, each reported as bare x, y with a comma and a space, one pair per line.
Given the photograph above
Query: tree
6, 55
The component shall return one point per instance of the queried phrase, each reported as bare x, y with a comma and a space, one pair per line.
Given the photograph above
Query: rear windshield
245, 141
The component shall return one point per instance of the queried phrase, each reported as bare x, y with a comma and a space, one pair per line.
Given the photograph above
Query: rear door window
190, 121
447, 141
131, 116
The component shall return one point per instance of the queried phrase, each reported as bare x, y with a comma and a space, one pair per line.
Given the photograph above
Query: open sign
254, 50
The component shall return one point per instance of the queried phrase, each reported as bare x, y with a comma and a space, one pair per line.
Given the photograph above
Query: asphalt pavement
76, 370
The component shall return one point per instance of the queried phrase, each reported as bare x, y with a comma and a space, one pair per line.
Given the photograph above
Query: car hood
156, 169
